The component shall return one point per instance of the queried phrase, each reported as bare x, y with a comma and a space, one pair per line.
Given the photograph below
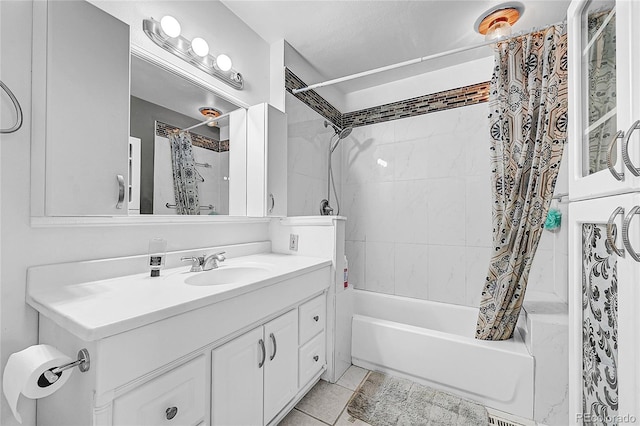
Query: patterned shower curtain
185, 182
528, 124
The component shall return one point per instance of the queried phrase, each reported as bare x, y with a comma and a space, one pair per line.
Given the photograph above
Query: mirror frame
38, 139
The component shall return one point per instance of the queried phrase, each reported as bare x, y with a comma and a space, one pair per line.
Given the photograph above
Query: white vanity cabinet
230, 358
81, 101
266, 161
255, 375
604, 97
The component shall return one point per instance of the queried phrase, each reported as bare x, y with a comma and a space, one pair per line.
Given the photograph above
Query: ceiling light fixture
166, 34
497, 21
210, 112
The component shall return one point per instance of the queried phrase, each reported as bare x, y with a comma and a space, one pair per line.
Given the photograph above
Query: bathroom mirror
161, 102
103, 110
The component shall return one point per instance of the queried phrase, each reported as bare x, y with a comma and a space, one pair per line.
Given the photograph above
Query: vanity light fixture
166, 34
170, 26
200, 47
497, 21
223, 62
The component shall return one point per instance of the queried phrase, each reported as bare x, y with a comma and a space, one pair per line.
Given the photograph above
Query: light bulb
170, 26
223, 62
500, 28
200, 47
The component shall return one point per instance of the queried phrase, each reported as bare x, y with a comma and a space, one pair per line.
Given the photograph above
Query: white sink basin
228, 275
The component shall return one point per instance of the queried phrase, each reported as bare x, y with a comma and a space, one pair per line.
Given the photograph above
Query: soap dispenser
157, 254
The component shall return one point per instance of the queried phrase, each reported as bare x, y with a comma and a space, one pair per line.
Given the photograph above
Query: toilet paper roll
22, 374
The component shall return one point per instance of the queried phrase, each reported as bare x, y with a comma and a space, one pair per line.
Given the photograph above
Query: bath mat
389, 401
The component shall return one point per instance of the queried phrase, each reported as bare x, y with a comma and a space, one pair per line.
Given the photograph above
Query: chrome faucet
211, 262
204, 263
196, 262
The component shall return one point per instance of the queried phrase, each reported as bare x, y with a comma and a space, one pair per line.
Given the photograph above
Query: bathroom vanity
240, 344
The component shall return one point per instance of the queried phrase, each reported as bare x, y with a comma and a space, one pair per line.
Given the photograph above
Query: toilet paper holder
83, 363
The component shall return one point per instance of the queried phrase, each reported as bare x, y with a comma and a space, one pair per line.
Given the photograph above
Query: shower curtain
528, 124
185, 182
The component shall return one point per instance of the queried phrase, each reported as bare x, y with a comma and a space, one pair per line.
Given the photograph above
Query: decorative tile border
448, 99
163, 129
440, 101
312, 99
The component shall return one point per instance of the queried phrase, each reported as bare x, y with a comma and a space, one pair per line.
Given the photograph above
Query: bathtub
432, 343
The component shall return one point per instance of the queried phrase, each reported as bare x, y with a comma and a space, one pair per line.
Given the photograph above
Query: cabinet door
86, 128
266, 161
604, 86
237, 380
281, 368
276, 162
603, 280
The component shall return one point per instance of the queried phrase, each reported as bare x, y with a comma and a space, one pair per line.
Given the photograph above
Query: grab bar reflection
208, 207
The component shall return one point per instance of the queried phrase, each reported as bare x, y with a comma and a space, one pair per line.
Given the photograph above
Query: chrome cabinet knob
171, 412
316, 318
316, 358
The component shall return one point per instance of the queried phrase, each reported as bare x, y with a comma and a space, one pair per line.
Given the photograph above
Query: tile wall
308, 153
418, 203
416, 192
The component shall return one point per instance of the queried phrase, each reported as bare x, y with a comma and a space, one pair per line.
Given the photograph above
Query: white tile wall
308, 153
417, 196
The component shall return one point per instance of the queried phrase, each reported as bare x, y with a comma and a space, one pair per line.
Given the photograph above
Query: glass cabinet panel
599, 102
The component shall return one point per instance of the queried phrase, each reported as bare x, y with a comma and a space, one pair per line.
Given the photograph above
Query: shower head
341, 133
345, 132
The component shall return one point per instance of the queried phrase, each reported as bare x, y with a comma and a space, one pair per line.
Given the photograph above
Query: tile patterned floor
326, 403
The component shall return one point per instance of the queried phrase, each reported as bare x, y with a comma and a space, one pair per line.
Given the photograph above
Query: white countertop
98, 309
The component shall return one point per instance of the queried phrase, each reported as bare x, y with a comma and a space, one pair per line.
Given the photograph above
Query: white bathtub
433, 343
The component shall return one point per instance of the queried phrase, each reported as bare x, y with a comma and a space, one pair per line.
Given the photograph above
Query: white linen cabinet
604, 98
604, 238
604, 193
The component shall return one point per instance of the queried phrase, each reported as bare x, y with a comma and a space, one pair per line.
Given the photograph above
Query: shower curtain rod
418, 60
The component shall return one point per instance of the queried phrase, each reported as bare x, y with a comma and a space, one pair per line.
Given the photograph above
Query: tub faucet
211, 261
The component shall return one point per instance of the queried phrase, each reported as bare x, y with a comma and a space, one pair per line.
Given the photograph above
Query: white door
87, 110
281, 368
237, 380
604, 90
604, 294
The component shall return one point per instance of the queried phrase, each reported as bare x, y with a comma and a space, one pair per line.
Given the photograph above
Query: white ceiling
339, 38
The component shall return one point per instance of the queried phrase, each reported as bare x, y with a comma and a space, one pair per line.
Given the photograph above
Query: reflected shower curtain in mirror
185, 182
528, 124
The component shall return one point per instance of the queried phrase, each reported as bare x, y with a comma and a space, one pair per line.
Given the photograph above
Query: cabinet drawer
312, 318
312, 358
175, 398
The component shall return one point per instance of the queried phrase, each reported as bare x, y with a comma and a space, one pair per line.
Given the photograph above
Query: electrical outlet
293, 242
